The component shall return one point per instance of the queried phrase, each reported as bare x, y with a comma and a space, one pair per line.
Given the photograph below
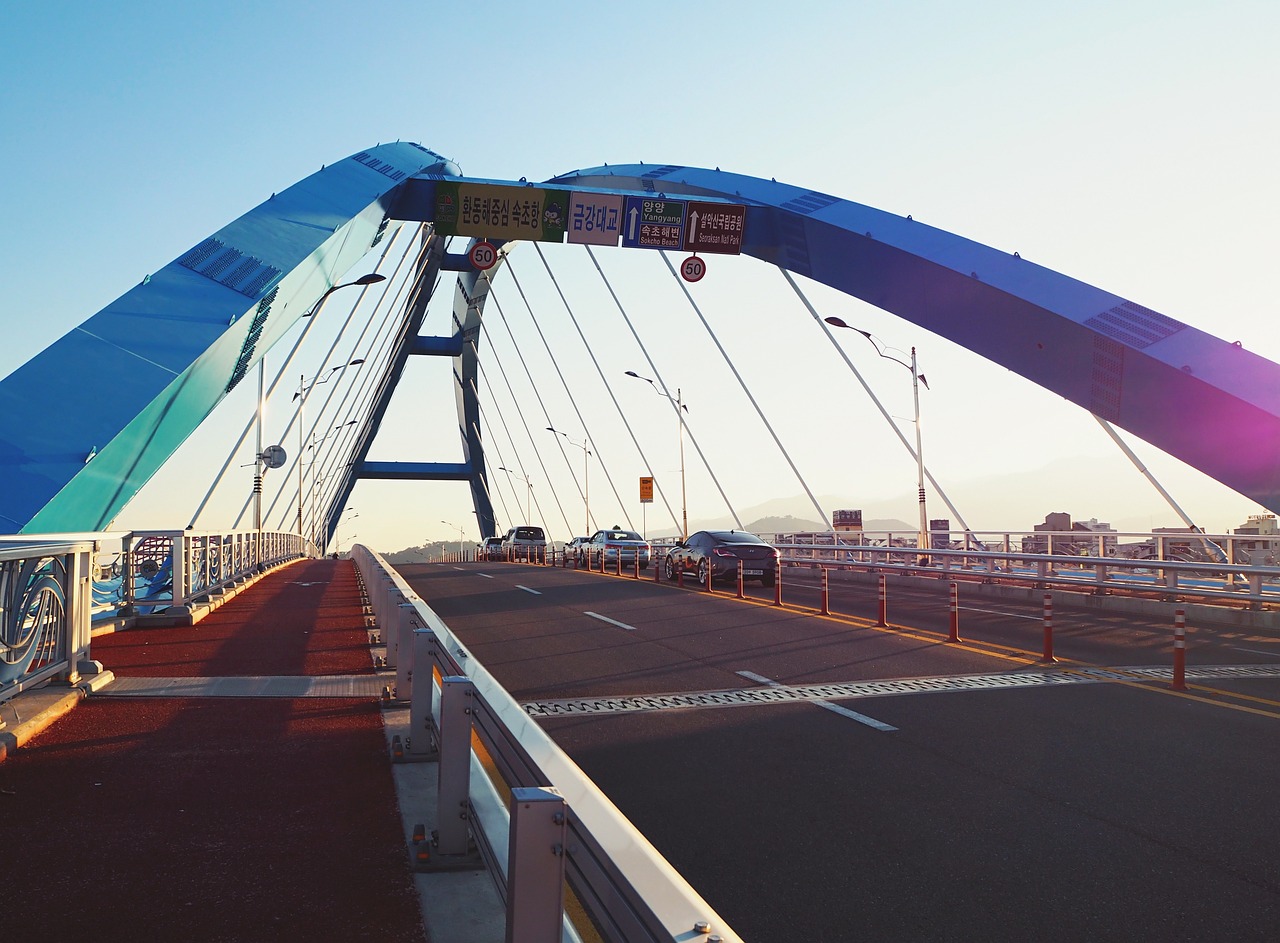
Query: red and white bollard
741, 594
777, 584
826, 593
1179, 651
1048, 628
955, 613
884, 601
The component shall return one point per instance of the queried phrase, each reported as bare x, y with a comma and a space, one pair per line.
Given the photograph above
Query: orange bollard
826, 593
637, 576
1048, 628
1179, 651
884, 601
777, 585
741, 594
955, 613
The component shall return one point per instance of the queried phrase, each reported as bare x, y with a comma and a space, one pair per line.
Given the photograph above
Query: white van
525, 542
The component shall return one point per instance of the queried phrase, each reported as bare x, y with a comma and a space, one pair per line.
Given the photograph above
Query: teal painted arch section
169, 349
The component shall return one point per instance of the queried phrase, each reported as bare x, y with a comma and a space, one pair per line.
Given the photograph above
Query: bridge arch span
173, 346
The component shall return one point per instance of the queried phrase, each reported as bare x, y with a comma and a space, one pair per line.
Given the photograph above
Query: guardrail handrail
628, 888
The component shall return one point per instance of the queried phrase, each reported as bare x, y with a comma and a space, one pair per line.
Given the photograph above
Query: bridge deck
212, 815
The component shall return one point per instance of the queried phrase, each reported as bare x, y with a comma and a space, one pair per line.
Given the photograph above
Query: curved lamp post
922, 540
681, 409
586, 486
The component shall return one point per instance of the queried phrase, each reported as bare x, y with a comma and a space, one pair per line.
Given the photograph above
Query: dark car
718, 552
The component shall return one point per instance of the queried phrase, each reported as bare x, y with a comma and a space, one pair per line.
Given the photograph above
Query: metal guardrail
1239, 583
629, 892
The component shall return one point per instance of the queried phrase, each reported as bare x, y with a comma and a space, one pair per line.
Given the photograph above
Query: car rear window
529, 533
739, 537
623, 535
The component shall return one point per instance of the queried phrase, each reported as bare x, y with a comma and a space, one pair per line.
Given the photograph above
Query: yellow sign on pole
646, 490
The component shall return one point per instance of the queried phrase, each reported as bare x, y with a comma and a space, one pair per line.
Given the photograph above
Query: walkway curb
34, 711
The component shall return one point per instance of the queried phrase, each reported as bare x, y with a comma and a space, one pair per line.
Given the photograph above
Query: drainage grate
355, 686
783, 694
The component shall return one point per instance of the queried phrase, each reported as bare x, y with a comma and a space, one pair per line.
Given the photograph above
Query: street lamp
586, 487
304, 388
922, 541
681, 409
447, 524
317, 481
528, 501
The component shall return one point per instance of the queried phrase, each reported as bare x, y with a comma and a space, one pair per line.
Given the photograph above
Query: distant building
1060, 523
1259, 525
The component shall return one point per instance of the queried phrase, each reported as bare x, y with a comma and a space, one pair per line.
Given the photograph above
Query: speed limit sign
483, 255
692, 269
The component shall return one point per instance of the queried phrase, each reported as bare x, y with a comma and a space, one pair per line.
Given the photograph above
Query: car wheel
670, 568
703, 573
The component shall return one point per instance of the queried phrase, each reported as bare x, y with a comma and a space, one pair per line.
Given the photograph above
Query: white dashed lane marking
621, 625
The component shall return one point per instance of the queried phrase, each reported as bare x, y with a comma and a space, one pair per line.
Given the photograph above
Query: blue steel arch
1203, 400
174, 345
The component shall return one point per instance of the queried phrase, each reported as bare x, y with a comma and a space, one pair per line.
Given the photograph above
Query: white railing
629, 891
172, 571
44, 612
55, 587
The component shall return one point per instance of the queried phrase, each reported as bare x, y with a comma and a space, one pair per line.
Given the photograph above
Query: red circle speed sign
483, 255
692, 269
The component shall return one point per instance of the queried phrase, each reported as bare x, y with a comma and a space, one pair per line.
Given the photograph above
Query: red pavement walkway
215, 819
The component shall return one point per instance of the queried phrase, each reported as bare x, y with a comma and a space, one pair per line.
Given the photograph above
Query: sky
1129, 144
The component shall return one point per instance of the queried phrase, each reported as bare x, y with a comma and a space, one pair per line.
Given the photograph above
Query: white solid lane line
485, 575
621, 625
528, 590
825, 705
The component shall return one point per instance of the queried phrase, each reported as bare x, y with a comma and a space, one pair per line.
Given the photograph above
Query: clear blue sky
1127, 143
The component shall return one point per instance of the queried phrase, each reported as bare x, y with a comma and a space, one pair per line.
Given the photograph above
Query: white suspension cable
195, 517
502, 316
519, 412
389, 318
643, 457
1160, 489
604, 466
880, 406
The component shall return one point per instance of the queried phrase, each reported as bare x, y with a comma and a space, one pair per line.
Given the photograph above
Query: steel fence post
536, 865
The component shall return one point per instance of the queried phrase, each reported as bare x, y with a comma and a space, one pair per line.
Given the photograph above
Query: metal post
456, 698
402, 651
535, 865
421, 724
1179, 651
955, 613
1048, 628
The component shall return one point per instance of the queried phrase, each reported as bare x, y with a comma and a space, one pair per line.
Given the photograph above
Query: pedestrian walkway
222, 812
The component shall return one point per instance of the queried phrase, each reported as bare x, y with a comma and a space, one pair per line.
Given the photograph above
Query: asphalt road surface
1001, 806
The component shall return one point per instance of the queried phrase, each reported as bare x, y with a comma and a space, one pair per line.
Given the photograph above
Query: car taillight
722, 552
